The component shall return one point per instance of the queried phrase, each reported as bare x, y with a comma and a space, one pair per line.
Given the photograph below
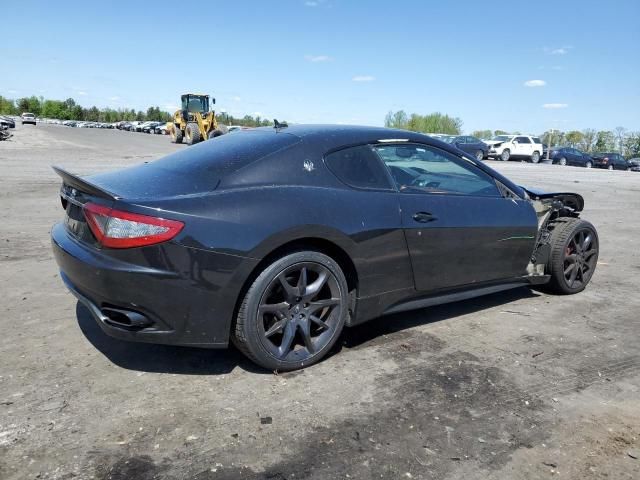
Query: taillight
118, 229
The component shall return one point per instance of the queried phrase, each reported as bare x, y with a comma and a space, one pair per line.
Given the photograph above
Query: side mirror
213, 101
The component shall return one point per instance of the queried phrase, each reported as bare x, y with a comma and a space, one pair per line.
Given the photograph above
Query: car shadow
153, 358
360, 335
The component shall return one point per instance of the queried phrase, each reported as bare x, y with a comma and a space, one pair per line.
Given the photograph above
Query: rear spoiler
83, 185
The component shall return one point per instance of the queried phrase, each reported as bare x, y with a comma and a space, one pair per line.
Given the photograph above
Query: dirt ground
516, 385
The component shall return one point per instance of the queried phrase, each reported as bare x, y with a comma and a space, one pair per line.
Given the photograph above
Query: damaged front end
548, 207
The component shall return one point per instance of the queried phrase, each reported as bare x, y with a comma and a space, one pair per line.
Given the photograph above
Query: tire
535, 157
562, 161
610, 167
505, 155
588, 165
192, 133
287, 315
565, 240
221, 130
176, 134
479, 155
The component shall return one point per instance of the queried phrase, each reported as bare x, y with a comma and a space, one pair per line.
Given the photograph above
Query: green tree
500, 132
483, 134
604, 141
574, 138
632, 145
396, 120
7, 107
553, 138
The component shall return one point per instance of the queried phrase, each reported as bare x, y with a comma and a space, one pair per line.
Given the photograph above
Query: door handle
424, 217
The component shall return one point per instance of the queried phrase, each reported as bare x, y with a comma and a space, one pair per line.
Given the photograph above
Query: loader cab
195, 103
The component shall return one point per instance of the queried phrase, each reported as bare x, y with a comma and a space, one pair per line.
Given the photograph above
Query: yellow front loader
194, 122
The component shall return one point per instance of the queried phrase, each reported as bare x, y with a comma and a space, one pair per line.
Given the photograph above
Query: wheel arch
316, 244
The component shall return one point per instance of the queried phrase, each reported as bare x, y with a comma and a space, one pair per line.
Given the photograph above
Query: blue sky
338, 61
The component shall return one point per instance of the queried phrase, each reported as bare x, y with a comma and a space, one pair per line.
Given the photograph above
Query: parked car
28, 118
571, 156
633, 165
467, 143
149, 127
161, 129
609, 160
7, 122
136, 126
359, 222
515, 147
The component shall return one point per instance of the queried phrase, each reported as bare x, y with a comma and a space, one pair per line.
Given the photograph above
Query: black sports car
277, 238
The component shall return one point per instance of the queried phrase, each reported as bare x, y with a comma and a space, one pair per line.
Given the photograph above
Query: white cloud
311, 4
557, 68
318, 58
554, 106
257, 114
558, 50
236, 99
363, 78
535, 83
82, 93
115, 98
12, 91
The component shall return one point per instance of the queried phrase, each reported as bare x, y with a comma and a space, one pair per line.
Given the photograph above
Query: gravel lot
515, 385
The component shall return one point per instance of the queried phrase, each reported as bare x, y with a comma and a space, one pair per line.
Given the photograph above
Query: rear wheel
176, 134
610, 167
574, 255
192, 133
588, 165
562, 161
505, 155
535, 157
293, 312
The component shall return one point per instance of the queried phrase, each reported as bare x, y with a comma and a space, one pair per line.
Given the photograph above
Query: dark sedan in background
277, 238
571, 156
609, 160
633, 164
467, 143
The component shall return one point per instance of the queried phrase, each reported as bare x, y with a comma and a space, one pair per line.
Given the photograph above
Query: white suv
28, 118
516, 147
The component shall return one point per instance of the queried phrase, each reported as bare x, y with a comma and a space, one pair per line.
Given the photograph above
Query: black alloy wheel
293, 313
574, 255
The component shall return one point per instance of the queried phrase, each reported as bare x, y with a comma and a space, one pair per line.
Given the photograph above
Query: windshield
502, 138
448, 139
195, 103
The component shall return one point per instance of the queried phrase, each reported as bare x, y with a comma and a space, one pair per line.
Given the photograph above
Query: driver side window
425, 169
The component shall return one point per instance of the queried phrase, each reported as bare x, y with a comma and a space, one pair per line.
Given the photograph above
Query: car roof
342, 135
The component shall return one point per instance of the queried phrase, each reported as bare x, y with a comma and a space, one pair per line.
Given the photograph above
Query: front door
459, 229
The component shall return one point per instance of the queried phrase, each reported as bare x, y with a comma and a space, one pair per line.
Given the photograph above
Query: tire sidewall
557, 264
252, 302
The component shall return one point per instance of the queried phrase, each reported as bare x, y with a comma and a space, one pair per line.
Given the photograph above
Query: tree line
69, 109
589, 140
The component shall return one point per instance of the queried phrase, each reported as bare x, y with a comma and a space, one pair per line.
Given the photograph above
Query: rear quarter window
358, 167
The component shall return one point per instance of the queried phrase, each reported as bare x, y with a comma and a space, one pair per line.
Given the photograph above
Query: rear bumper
174, 294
